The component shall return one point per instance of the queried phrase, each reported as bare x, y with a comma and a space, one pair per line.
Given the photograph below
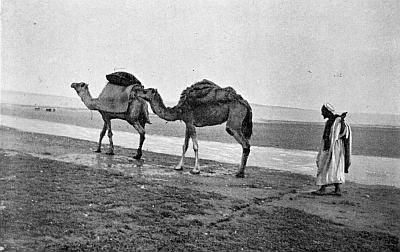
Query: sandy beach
59, 195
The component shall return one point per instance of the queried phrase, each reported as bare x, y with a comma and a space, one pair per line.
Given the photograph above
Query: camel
206, 104
136, 115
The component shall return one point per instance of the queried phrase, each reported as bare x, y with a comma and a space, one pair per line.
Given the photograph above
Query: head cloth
329, 107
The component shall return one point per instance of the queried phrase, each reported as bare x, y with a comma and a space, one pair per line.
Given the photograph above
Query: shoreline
365, 170
367, 140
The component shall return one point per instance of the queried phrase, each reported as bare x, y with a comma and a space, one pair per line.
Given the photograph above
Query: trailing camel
206, 104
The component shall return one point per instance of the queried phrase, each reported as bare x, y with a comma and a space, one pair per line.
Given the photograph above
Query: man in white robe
333, 159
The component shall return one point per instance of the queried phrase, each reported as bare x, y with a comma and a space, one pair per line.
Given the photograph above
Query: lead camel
137, 116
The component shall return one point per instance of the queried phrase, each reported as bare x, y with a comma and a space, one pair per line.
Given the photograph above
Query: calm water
365, 170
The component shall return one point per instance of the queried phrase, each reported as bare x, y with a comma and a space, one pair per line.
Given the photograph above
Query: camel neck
87, 99
159, 108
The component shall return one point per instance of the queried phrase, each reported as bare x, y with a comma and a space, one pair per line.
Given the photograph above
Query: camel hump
206, 91
204, 84
123, 79
199, 89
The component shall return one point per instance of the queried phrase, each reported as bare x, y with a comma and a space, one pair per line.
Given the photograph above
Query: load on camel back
123, 79
118, 92
206, 91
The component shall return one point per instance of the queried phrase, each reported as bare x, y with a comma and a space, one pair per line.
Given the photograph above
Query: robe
335, 162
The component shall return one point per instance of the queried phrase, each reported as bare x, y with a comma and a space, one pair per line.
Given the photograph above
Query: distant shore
379, 141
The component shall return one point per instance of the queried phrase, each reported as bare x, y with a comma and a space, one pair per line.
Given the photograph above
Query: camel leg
102, 134
191, 133
184, 149
196, 169
142, 134
236, 133
110, 134
245, 155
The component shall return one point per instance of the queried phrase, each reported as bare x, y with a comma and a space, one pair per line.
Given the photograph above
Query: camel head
79, 87
148, 94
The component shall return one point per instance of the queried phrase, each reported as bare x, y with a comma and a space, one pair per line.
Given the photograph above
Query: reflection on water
127, 166
366, 170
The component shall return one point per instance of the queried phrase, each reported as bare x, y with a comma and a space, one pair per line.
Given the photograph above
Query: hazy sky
282, 53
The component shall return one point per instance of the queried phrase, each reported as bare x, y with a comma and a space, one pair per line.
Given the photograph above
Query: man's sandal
334, 193
318, 193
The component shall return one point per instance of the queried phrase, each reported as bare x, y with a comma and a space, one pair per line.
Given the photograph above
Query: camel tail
247, 125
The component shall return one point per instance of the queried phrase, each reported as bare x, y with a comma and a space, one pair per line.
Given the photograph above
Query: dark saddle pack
123, 79
118, 91
206, 91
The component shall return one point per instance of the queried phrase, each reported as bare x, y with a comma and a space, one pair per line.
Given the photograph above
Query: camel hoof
97, 151
110, 153
195, 172
240, 175
138, 155
178, 168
